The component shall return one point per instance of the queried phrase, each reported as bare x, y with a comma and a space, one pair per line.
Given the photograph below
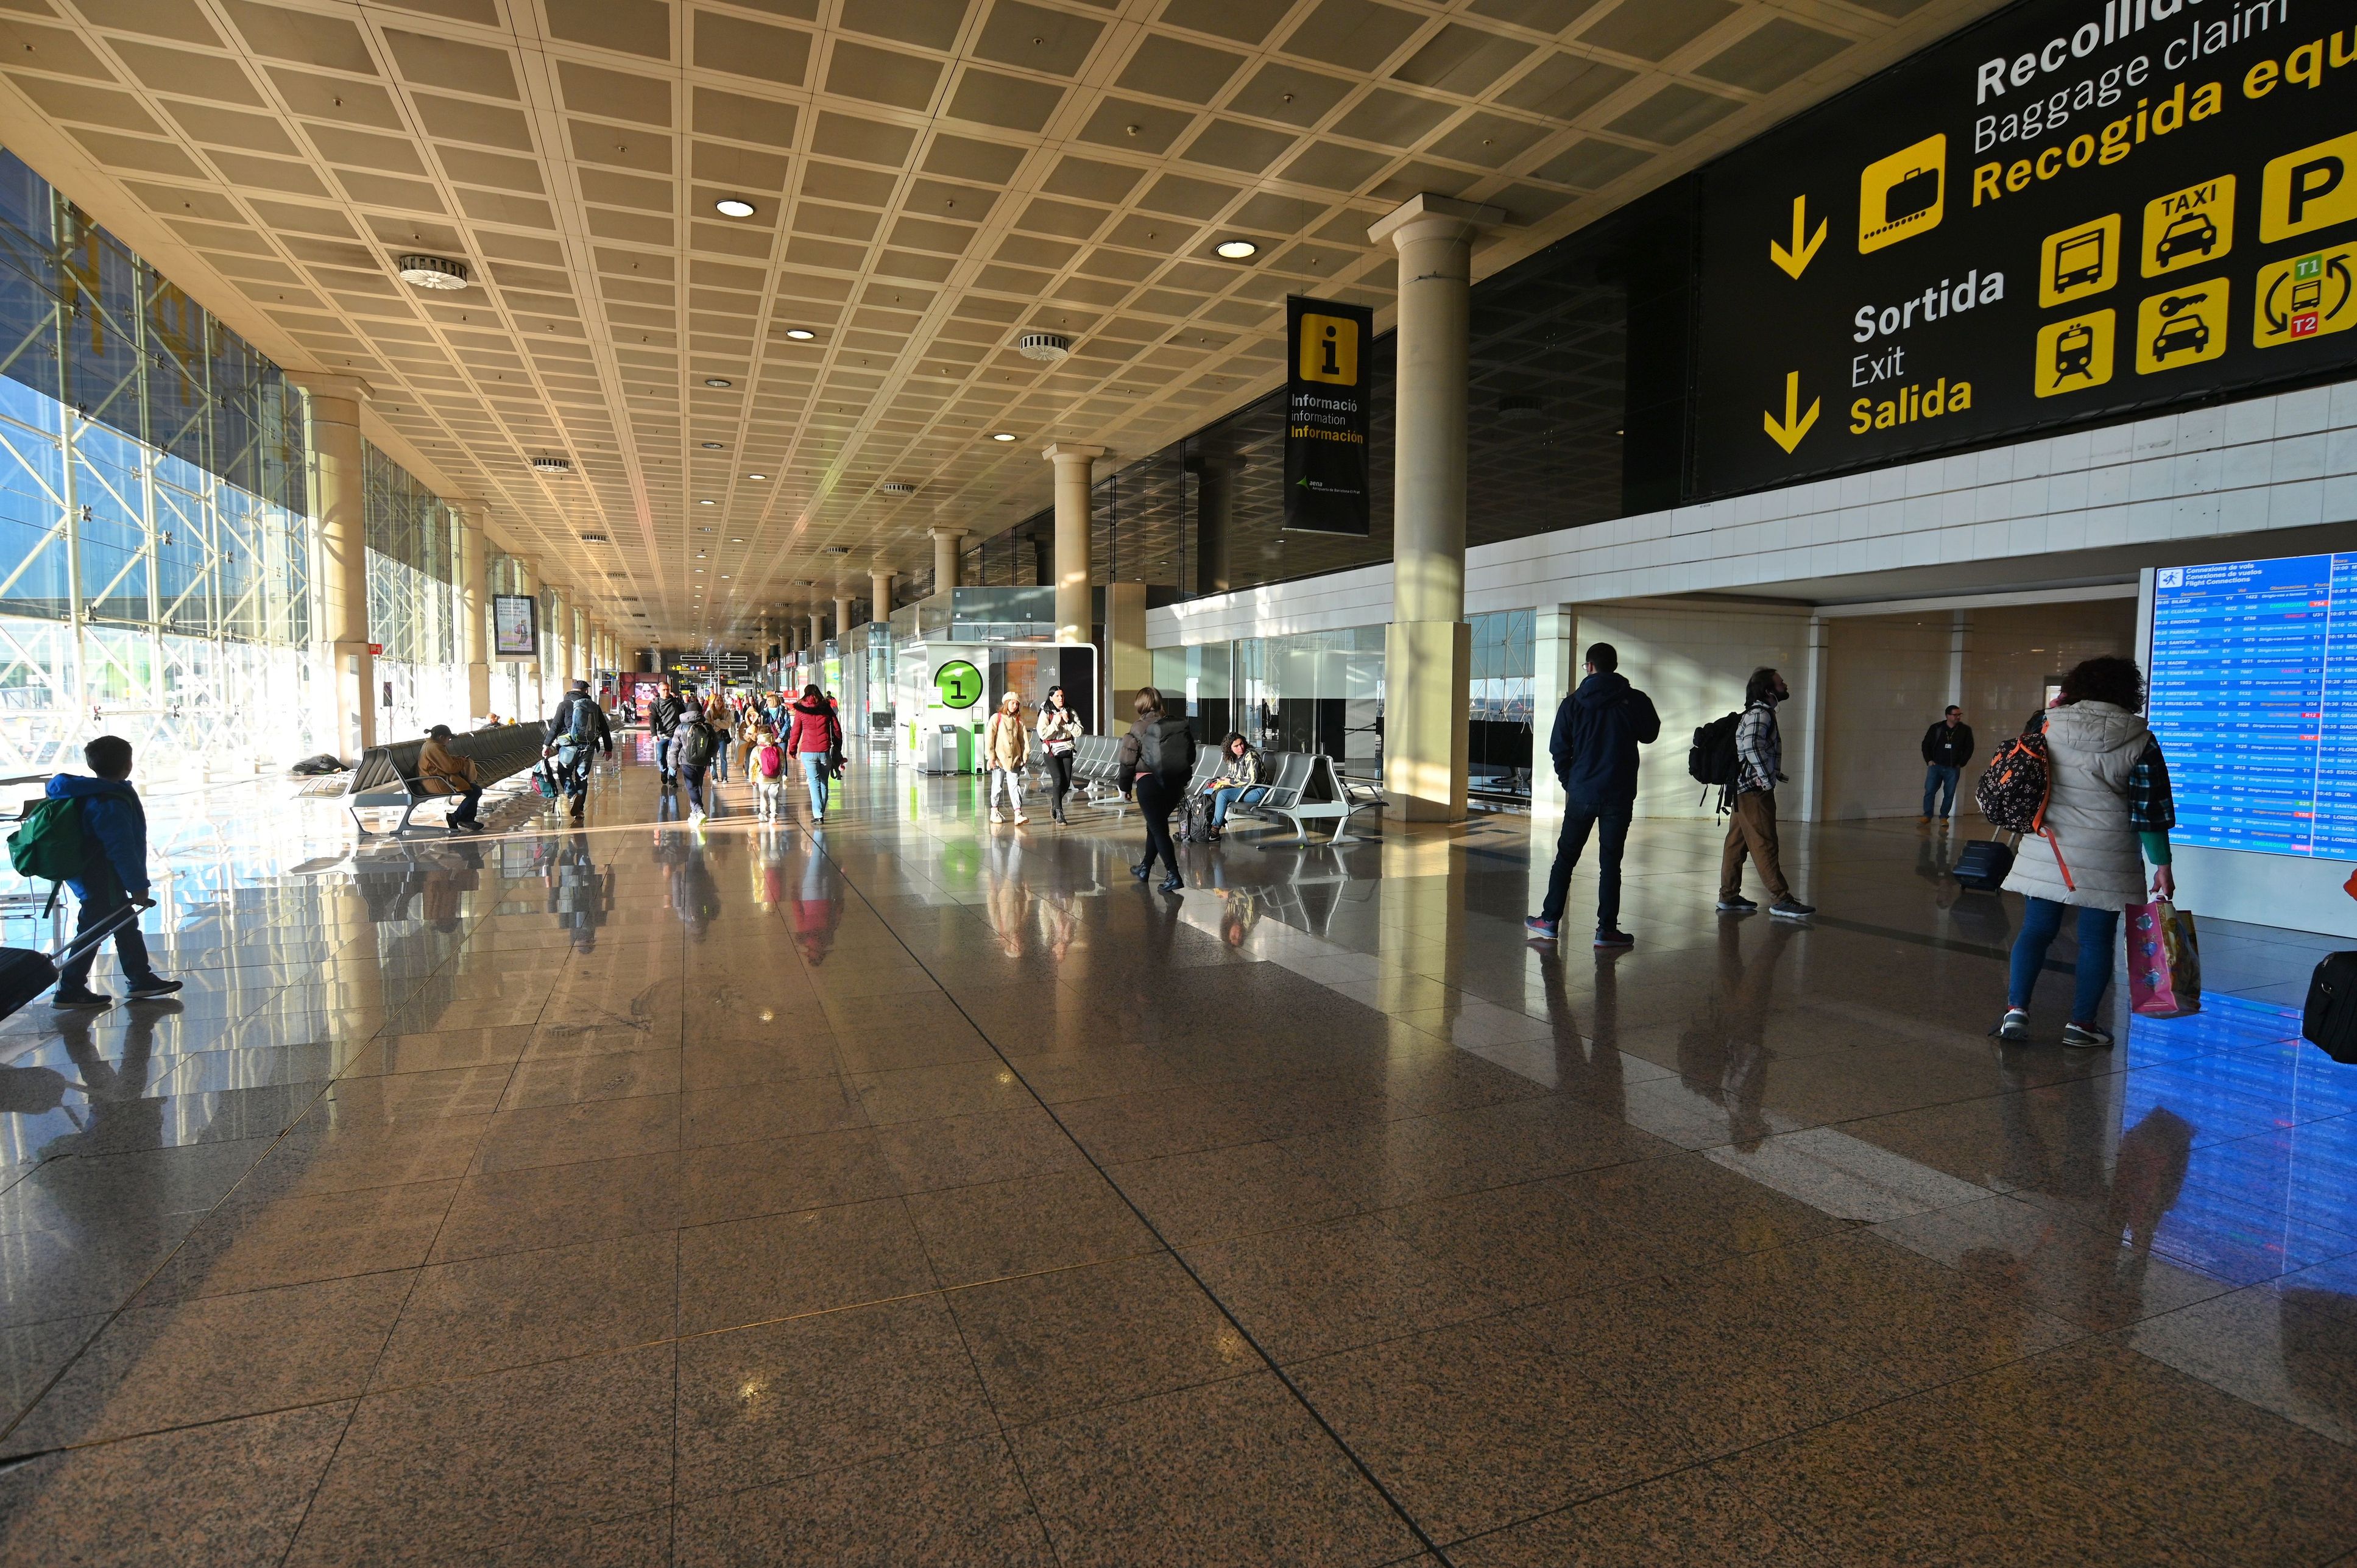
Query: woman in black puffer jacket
1158, 757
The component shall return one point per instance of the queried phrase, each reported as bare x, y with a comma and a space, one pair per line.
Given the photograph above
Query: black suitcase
1983, 863
1195, 820
2329, 1022
25, 972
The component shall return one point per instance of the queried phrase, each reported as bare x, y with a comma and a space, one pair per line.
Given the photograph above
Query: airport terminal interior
574, 580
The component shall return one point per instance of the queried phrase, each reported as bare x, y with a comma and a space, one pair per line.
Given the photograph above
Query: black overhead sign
2076, 209
1329, 408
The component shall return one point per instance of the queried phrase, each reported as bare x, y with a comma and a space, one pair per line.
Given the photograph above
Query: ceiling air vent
897, 488
589, 538
1047, 346
552, 464
439, 274
1521, 408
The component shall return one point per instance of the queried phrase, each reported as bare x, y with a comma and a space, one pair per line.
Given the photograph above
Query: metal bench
1305, 786
1096, 768
386, 775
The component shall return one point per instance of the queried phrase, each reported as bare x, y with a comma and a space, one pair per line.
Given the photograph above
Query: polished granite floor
919, 1192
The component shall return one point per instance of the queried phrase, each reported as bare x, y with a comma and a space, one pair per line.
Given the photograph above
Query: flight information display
2255, 700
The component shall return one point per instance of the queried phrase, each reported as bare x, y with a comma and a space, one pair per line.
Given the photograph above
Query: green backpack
51, 847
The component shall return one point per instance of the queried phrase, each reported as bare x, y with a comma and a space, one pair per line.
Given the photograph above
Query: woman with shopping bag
2108, 811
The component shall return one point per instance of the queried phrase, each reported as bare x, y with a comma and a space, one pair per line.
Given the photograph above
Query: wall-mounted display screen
515, 626
2255, 700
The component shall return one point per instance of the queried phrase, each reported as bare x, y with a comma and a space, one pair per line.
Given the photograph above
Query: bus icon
2077, 259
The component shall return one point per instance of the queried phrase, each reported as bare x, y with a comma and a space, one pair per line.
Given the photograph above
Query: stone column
528, 683
338, 500
842, 616
879, 593
1429, 650
1075, 470
817, 629
1128, 663
475, 604
1215, 515
948, 542
1557, 674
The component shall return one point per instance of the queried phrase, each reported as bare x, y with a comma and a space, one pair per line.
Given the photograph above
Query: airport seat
386, 775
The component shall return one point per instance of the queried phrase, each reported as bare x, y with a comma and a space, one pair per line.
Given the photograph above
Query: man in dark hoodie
1597, 733
114, 878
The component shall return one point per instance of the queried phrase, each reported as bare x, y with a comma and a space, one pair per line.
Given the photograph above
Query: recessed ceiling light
733, 207
733, 540
711, 446
757, 476
718, 382
1236, 249
1001, 435
801, 334
707, 503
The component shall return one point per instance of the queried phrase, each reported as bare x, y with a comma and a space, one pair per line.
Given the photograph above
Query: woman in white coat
2108, 811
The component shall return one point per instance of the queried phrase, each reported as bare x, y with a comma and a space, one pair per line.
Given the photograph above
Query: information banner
2255, 700
1329, 412
2074, 210
515, 626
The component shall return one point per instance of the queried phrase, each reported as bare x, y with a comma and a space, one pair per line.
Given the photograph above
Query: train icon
2074, 353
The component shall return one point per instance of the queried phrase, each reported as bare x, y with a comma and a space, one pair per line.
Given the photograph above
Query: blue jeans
2042, 919
1941, 780
662, 755
1222, 799
814, 777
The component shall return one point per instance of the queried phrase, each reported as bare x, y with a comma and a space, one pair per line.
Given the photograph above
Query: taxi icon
2190, 234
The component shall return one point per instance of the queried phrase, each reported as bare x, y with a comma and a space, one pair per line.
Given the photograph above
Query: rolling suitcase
2329, 1021
1983, 864
26, 973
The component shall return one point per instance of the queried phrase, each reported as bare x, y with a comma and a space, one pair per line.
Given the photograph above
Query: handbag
2164, 963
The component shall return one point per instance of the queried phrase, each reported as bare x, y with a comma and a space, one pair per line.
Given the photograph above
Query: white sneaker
1020, 818
696, 819
994, 816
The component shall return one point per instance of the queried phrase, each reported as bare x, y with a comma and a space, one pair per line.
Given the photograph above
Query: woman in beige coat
1005, 748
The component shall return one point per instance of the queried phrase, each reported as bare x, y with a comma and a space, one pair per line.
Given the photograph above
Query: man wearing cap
444, 774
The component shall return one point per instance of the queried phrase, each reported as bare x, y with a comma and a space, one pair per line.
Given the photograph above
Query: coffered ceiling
928, 178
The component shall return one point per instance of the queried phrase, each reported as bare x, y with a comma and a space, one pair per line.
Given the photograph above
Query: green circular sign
959, 682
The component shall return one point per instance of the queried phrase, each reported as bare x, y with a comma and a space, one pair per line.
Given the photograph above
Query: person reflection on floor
1586, 1063
817, 908
1006, 899
120, 1117
1723, 1055
458, 871
579, 894
694, 893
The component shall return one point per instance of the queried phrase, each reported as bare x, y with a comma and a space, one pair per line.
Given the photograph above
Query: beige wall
1887, 677
1692, 660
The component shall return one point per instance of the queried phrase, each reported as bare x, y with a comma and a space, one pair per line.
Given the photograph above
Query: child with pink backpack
768, 778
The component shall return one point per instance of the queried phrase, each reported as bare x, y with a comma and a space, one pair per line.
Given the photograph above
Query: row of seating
1298, 788
386, 775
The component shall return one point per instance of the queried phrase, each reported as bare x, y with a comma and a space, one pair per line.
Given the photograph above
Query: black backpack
1711, 759
1166, 748
698, 745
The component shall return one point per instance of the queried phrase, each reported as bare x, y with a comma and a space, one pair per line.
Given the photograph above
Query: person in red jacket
810, 736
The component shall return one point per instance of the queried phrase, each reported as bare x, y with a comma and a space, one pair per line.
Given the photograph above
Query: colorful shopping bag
2164, 964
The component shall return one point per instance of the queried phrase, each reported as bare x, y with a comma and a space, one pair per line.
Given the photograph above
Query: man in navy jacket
1597, 733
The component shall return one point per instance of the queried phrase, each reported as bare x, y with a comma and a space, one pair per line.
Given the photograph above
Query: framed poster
515, 626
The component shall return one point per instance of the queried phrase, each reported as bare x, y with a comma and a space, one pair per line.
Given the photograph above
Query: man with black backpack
576, 731
693, 744
1598, 730
1751, 828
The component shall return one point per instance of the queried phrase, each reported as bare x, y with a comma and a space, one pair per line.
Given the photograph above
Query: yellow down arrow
1795, 261
1796, 424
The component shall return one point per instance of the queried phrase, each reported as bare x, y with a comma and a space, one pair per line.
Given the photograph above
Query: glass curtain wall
413, 604
156, 557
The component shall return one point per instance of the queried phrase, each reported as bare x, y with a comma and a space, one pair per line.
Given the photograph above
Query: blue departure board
2255, 700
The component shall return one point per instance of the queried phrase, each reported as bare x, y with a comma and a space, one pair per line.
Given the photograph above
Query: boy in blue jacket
114, 878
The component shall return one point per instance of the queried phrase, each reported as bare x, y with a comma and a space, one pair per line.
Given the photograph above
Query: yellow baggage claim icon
2182, 325
2304, 296
1904, 194
2072, 354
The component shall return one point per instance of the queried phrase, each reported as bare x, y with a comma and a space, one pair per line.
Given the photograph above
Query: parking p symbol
2308, 189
